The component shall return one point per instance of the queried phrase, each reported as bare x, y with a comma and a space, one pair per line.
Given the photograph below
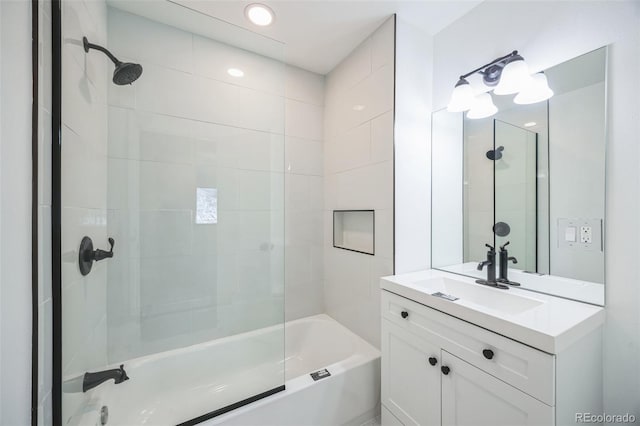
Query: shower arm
88, 46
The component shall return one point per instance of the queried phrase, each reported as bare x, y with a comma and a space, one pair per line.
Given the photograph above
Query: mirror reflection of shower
125, 72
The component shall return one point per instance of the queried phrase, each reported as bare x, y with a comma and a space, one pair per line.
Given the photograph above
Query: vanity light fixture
505, 75
259, 14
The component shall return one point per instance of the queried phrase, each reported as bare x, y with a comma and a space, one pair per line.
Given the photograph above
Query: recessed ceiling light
259, 14
358, 107
530, 124
235, 72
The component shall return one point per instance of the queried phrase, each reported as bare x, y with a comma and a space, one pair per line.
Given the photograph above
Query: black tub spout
91, 380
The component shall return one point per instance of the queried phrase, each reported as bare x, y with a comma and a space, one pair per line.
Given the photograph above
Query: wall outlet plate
589, 232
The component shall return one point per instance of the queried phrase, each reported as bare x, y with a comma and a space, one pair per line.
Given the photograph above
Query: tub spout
91, 380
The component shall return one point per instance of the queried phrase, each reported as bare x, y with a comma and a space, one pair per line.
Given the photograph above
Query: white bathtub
176, 386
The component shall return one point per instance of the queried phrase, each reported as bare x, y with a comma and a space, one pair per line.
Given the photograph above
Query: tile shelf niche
354, 230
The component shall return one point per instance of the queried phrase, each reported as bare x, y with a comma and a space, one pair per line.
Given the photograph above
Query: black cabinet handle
488, 353
404, 314
445, 370
433, 360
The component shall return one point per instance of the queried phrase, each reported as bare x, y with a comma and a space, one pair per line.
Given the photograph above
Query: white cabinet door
471, 397
410, 384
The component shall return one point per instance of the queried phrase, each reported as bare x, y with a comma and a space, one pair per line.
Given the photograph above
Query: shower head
495, 154
125, 72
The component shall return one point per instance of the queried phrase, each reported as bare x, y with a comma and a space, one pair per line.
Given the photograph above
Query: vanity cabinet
440, 370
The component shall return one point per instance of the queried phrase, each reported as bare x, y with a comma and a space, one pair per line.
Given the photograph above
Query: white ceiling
317, 34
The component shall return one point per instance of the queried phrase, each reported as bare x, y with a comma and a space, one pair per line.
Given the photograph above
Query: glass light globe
483, 107
462, 97
515, 76
537, 90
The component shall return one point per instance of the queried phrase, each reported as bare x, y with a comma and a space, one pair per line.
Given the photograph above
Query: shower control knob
433, 360
488, 353
445, 370
404, 314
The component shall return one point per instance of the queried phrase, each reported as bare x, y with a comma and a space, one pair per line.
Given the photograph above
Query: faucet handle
504, 245
489, 246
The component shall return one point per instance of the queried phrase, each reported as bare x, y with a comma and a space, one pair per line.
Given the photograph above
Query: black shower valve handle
87, 255
102, 254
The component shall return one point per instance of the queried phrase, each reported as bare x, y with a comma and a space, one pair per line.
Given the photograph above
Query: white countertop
583, 291
551, 325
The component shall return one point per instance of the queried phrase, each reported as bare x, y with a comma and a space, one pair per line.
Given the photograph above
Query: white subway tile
213, 60
304, 86
146, 41
303, 120
167, 186
383, 45
166, 233
304, 156
382, 138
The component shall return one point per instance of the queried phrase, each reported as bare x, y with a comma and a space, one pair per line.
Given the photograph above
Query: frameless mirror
531, 179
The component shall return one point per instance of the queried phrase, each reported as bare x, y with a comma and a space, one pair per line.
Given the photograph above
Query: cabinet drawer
523, 367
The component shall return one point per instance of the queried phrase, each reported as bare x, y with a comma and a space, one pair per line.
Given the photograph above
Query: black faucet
504, 265
490, 263
91, 380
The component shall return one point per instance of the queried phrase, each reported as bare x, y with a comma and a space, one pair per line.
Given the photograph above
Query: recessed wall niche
354, 230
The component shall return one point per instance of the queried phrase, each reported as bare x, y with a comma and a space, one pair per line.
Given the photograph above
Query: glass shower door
516, 192
183, 171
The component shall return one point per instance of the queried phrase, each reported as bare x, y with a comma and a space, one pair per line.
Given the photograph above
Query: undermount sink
488, 298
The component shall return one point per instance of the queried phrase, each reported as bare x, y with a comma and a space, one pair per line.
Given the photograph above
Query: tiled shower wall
84, 192
358, 164
186, 124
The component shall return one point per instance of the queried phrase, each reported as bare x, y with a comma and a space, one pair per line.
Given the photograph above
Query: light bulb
259, 14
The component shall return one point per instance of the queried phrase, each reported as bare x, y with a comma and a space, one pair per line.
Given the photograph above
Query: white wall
15, 212
549, 33
187, 124
358, 164
414, 66
447, 173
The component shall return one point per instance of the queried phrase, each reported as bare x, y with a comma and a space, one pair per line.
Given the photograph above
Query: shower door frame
56, 237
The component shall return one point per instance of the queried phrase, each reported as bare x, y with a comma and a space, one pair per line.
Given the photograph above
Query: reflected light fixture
530, 124
235, 72
505, 75
259, 14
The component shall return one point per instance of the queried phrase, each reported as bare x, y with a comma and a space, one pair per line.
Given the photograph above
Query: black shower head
125, 72
495, 154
